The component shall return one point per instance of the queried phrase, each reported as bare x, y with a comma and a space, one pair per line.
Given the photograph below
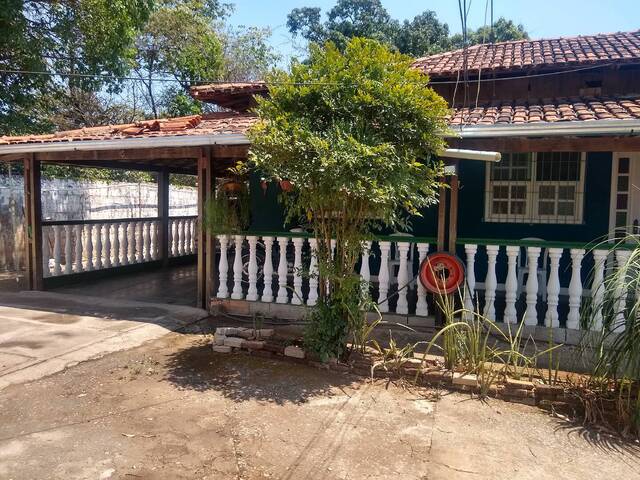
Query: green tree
355, 133
66, 37
178, 42
247, 53
503, 30
424, 35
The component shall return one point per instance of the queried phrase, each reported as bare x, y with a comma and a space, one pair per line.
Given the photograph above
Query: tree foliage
422, 35
355, 133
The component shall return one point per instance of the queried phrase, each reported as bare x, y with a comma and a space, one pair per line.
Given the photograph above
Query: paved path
43, 333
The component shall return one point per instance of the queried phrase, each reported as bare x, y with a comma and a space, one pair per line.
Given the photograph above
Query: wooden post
33, 222
210, 239
163, 214
205, 253
442, 215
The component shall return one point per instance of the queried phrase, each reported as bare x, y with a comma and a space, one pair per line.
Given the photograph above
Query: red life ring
441, 273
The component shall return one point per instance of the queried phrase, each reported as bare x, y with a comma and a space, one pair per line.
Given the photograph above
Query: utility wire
224, 82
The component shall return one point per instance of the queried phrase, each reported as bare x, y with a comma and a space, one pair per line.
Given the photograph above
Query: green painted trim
546, 244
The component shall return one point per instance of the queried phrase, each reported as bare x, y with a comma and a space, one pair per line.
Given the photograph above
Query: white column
383, 276
140, 242
511, 285
553, 288
252, 293
98, 234
88, 248
236, 293
68, 249
402, 306
57, 251
470, 250
116, 245
575, 289
124, 245
46, 253
313, 273
267, 270
223, 267
491, 282
619, 323
107, 245
282, 271
79, 266
297, 271
147, 241
422, 308
597, 287
531, 316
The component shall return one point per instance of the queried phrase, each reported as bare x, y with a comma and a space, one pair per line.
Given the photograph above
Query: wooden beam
453, 213
133, 154
442, 215
210, 246
163, 214
33, 222
203, 172
551, 144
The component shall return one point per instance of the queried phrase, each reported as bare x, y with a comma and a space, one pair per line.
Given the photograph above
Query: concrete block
245, 333
253, 344
264, 332
574, 337
218, 339
233, 342
221, 349
293, 351
237, 307
465, 379
287, 311
261, 308
541, 336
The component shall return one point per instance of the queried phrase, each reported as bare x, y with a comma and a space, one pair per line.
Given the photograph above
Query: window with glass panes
543, 187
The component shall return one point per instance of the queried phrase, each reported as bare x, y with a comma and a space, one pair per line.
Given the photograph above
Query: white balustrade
139, 250
223, 267
511, 285
46, 253
267, 270
283, 296
551, 318
79, 268
313, 273
68, 249
236, 293
531, 316
422, 308
402, 305
98, 246
57, 251
365, 269
383, 276
575, 289
88, 246
252, 293
297, 299
188, 250
147, 241
491, 282
620, 294
470, 250
597, 287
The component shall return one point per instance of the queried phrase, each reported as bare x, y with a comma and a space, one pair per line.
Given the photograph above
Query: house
564, 113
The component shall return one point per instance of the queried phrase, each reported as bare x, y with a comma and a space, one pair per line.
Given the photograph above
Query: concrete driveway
43, 333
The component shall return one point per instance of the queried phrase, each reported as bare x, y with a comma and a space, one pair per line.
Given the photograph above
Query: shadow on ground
241, 377
599, 437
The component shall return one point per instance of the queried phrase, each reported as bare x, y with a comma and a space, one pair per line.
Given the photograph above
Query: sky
542, 18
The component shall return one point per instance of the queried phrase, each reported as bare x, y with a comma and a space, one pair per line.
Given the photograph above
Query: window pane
623, 165
558, 166
500, 208
566, 208
518, 207
621, 201
519, 192
500, 191
566, 192
546, 208
621, 219
623, 183
547, 192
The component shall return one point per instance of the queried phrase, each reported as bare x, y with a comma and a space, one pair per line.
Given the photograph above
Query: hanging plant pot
233, 186
286, 185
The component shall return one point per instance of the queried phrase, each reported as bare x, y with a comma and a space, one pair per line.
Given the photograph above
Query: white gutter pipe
569, 128
471, 155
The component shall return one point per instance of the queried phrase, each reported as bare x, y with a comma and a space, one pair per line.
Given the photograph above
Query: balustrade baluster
170, 239
68, 249
422, 308
365, 271
79, 266
236, 294
553, 288
223, 267
147, 241
575, 289
124, 244
383, 276
187, 237
88, 248
402, 305
140, 242
153, 245
597, 287
98, 246
107, 245
491, 282
57, 251
181, 238
46, 252
313, 272
511, 285
470, 250
267, 270
621, 294
531, 315
252, 292
283, 296
297, 299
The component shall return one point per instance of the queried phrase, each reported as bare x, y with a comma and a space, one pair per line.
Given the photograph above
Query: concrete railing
70, 247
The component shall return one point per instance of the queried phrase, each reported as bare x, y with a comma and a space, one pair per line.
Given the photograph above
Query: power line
224, 82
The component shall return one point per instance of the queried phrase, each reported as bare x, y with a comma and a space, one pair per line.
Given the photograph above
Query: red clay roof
210, 124
535, 54
549, 111
237, 96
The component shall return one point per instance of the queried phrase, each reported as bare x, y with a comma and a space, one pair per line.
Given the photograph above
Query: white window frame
531, 214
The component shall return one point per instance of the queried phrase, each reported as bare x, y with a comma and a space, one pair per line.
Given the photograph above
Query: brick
518, 392
549, 390
221, 349
264, 332
293, 351
233, 342
523, 400
253, 344
465, 379
519, 384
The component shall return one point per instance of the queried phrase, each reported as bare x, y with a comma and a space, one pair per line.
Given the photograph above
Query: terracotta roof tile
530, 54
549, 110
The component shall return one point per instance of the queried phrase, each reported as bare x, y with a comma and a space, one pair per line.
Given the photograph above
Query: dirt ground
172, 409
